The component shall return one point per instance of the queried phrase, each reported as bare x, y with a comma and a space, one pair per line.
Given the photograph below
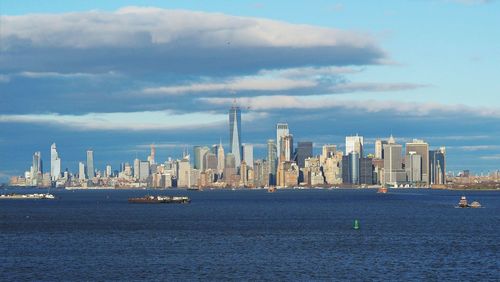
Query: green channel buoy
356, 224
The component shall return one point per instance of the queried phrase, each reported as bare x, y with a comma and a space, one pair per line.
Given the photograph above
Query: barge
160, 200
14, 196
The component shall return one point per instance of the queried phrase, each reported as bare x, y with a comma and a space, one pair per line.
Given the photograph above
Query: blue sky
119, 75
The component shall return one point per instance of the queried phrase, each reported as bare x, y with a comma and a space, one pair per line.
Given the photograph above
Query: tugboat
463, 202
160, 200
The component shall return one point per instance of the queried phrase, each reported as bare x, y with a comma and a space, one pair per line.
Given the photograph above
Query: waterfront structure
393, 163
248, 154
271, 161
420, 148
354, 144
235, 133
281, 131
379, 148
55, 163
304, 150
437, 166
90, 164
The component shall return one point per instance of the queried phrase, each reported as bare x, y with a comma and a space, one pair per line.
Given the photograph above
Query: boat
271, 189
382, 190
160, 200
463, 202
14, 196
475, 205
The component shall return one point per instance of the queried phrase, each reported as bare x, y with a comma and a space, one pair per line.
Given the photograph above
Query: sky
116, 76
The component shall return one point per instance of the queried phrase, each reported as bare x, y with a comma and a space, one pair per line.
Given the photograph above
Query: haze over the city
116, 76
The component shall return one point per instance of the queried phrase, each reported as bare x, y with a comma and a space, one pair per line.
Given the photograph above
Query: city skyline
329, 70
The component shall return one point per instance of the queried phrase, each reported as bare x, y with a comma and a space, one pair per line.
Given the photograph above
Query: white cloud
136, 121
235, 84
266, 103
136, 26
490, 157
31, 74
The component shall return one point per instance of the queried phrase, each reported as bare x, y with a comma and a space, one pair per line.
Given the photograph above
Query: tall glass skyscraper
281, 131
55, 163
90, 164
235, 134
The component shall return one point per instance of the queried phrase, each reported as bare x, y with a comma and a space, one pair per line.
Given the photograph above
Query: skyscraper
55, 163
304, 151
90, 164
379, 148
81, 171
221, 159
37, 166
235, 133
413, 167
286, 147
271, 161
354, 144
281, 131
197, 157
151, 157
393, 163
248, 154
437, 166
420, 148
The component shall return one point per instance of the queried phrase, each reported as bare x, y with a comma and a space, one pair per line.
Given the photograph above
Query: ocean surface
239, 235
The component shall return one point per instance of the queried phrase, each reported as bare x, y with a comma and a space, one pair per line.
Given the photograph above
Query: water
252, 235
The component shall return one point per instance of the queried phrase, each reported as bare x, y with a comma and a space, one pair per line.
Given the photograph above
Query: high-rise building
210, 161
379, 148
81, 171
90, 164
286, 147
37, 165
366, 171
235, 133
55, 163
413, 167
184, 173
354, 144
304, 150
393, 163
271, 161
437, 166
197, 157
281, 131
151, 157
420, 148
144, 170
220, 159
248, 154
109, 171
137, 164
351, 168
